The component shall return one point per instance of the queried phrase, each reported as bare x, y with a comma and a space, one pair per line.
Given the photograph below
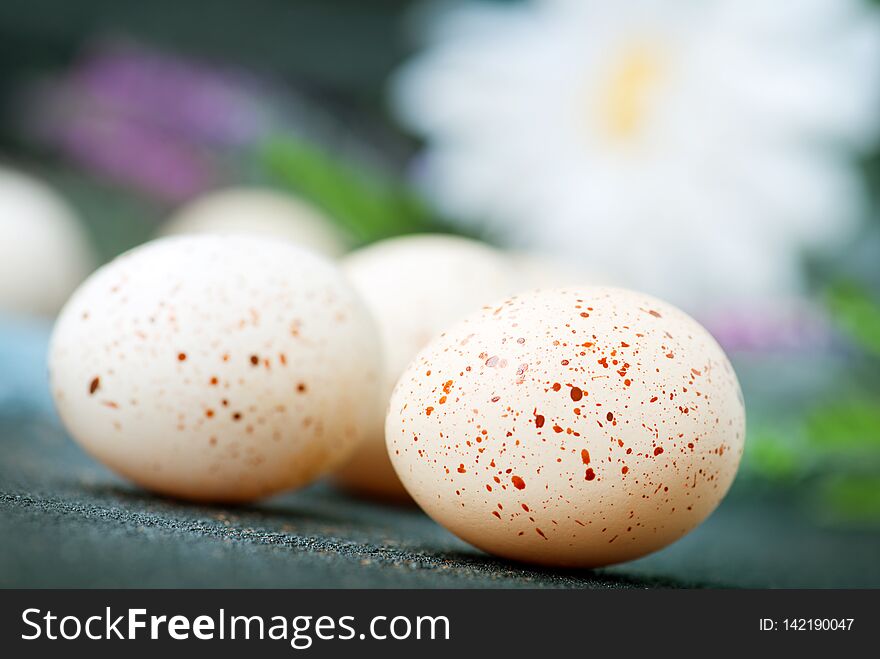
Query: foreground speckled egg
44, 252
571, 427
262, 212
216, 367
416, 286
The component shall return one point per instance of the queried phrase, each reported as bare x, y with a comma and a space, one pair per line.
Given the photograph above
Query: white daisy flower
691, 148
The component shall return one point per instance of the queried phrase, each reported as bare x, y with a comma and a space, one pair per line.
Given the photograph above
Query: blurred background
723, 155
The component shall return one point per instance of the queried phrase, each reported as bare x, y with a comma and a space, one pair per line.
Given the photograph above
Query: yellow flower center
625, 100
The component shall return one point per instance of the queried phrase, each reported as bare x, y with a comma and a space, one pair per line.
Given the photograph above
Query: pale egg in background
44, 251
415, 286
259, 211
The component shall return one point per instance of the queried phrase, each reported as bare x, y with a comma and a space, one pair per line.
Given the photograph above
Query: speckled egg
569, 427
416, 286
44, 252
262, 212
217, 368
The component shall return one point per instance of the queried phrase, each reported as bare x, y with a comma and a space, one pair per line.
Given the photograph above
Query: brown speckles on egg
620, 475
182, 408
539, 419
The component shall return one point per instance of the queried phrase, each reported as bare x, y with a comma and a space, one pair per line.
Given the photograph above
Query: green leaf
368, 204
846, 424
772, 457
854, 310
853, 498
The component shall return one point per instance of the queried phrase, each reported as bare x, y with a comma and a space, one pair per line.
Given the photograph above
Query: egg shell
416, 286
221, 368
263, 212
570, 427
44, 252
536, 270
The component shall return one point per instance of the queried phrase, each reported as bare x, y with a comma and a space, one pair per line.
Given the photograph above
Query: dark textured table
65, 521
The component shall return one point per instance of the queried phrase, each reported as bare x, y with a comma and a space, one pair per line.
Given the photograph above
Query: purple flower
786, 325
138, 156
163, 125
195, 101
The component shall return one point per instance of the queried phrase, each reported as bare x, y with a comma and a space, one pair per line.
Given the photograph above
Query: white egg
220, 368
542, 271
44, 253
416, 286
571, 427
263, 212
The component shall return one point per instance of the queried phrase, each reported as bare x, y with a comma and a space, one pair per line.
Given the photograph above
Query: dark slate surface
66, 521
